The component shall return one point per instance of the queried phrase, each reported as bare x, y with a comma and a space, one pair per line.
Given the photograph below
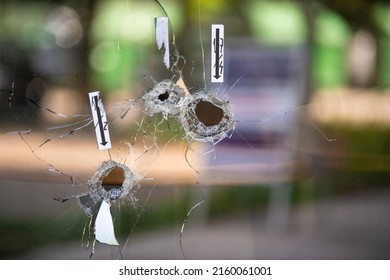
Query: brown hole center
208, 113
163, 96
114, 179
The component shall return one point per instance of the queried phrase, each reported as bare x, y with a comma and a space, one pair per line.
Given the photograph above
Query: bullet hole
112, 181
208, 113
206, 118
164, 98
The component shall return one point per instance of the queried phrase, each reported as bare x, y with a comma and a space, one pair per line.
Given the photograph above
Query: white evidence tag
99, 121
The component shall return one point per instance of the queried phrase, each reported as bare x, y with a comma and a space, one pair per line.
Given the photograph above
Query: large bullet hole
163, 96
206, 118
208, 113
114, 179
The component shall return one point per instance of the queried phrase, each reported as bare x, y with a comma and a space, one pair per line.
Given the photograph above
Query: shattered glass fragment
104, 228
205, 117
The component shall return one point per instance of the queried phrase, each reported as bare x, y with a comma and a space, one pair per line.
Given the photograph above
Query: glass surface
285, 159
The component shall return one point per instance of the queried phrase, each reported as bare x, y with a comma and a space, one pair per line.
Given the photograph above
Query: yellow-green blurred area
99, 40
305, 174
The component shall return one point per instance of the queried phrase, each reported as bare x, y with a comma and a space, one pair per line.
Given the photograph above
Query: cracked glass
193, 129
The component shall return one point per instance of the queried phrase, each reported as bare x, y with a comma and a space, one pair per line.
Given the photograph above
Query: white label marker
217, 53
162, 38
99, 121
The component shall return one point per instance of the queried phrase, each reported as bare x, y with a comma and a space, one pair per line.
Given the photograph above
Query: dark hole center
114, 179
163, 96
208, 113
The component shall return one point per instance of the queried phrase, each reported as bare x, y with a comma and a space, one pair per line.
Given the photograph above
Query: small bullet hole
163, 96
